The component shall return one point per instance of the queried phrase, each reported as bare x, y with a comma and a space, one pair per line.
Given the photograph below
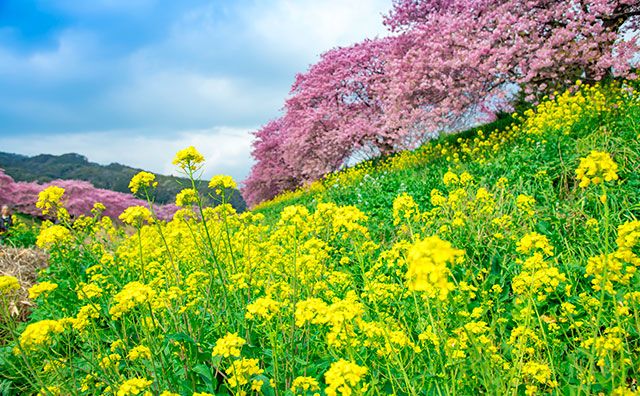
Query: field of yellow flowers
498, 262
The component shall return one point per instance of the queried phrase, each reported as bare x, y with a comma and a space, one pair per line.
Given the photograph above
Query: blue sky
134, 81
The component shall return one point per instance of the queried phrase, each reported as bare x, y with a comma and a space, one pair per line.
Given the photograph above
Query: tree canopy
444, 62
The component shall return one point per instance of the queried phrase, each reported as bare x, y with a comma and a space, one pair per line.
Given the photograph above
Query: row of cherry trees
443, 61
80, 197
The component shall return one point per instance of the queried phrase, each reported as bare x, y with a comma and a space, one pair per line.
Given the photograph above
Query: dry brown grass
24, 265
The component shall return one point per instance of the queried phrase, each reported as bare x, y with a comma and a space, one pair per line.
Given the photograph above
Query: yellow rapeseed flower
186, 197
539, 372
49, 391
263, 308
450, 179
404, 209
624, 391
110, 362
628, 234
343, 377
437, 199
84, 316
537, 277
427, 260
533, 241
51, 235
38, 334
49, 198
526, 204
220, 183
98, 208
89, 291
188, 158
303, 384
8, 284
45, 287
312, 310
241, 371
142, 180
228, 345
139, 352
133, 386
596, 168
132, 295
136, 215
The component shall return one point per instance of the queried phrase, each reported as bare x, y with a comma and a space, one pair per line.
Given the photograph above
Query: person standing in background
5, 220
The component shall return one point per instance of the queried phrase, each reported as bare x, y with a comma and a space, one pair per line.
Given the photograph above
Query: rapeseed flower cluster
134, 386
188, 159
136, 216
428, 269
50, 198
41, 288
89, 291
538, 373
596, 168
263, 308
52, 235
84, 318
404, 209
228, 346
142, 180
219, 183
50, 390
305, 384
344, 377
8, 284
133, 294
39, 334
186, 197
139, 352
241, 372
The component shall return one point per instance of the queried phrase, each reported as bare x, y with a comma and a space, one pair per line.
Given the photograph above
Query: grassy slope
564, 131
561, 208
375, 194
553, 140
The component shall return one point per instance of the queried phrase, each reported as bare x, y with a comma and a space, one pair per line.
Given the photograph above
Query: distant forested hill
45, 168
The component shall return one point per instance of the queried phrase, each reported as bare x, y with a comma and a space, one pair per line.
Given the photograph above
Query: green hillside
564, 130
499, 261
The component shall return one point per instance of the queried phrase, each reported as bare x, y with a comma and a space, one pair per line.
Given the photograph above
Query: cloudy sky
134, 81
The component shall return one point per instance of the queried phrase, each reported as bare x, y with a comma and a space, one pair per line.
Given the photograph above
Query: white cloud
184, 99
225, 149
312, 27
139, 99
221, 65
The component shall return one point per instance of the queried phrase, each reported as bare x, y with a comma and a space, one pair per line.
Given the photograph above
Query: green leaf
204, 371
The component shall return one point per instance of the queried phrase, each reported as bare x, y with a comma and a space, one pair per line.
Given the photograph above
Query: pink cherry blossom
80, 196
444, 63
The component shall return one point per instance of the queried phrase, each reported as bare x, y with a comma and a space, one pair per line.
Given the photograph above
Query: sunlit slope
500, 261
541, 148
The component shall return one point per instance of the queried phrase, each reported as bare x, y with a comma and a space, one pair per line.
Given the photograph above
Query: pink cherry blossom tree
271, 174
333, 113
445, 61
466, 54
336, 111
